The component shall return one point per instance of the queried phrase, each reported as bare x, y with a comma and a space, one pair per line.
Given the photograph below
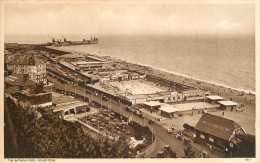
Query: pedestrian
223, 113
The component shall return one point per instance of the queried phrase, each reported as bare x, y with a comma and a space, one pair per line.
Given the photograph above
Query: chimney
25, 77
39, 88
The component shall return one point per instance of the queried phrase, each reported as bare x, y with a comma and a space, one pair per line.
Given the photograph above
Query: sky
117, 17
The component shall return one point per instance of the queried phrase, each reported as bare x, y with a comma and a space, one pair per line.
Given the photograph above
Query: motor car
166, 148
141, 115
151, 122
204, 154
170, 130
160, 154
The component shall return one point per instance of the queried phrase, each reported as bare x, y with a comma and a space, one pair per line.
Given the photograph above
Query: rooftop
61, 99
19, 79
13, 89
72, 56
227, 103
23, 60
171, 108
153, 103
217, 126
187, 106
73, 104
215, 97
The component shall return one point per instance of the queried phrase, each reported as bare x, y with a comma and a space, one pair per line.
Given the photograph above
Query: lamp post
110, 109
120, 109
84, 90
91, 91
152, 134
74, 90
144, 120
101, 99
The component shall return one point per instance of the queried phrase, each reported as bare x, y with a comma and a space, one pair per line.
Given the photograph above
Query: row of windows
212, 140
40, 76
23, 70
169, 98
41, 66
203, 137
39, 69
38, 80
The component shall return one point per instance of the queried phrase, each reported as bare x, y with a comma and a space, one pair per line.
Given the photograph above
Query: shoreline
192, 78
240, 97
163, 70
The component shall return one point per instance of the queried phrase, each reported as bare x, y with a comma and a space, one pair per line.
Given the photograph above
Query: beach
247, 99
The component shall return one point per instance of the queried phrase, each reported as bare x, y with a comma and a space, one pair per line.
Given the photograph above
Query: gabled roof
12, 89
217, 126
19, 80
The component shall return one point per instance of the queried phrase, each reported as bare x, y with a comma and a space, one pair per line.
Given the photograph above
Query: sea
227, 61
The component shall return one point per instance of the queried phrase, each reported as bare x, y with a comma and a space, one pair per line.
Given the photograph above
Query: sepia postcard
129, 80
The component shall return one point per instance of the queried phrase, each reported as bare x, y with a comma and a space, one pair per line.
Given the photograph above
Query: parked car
160, 154
128, 109
167, 148
104, 98
151, 122
187, 141
136, 112
204, 154
141, 115
178, 136
170, 130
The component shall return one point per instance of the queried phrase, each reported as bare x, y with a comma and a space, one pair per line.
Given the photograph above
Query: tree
52, 137
245, 148
189, 152
186, 126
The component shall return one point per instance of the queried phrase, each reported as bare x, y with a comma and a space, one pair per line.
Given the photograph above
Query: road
163, 137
